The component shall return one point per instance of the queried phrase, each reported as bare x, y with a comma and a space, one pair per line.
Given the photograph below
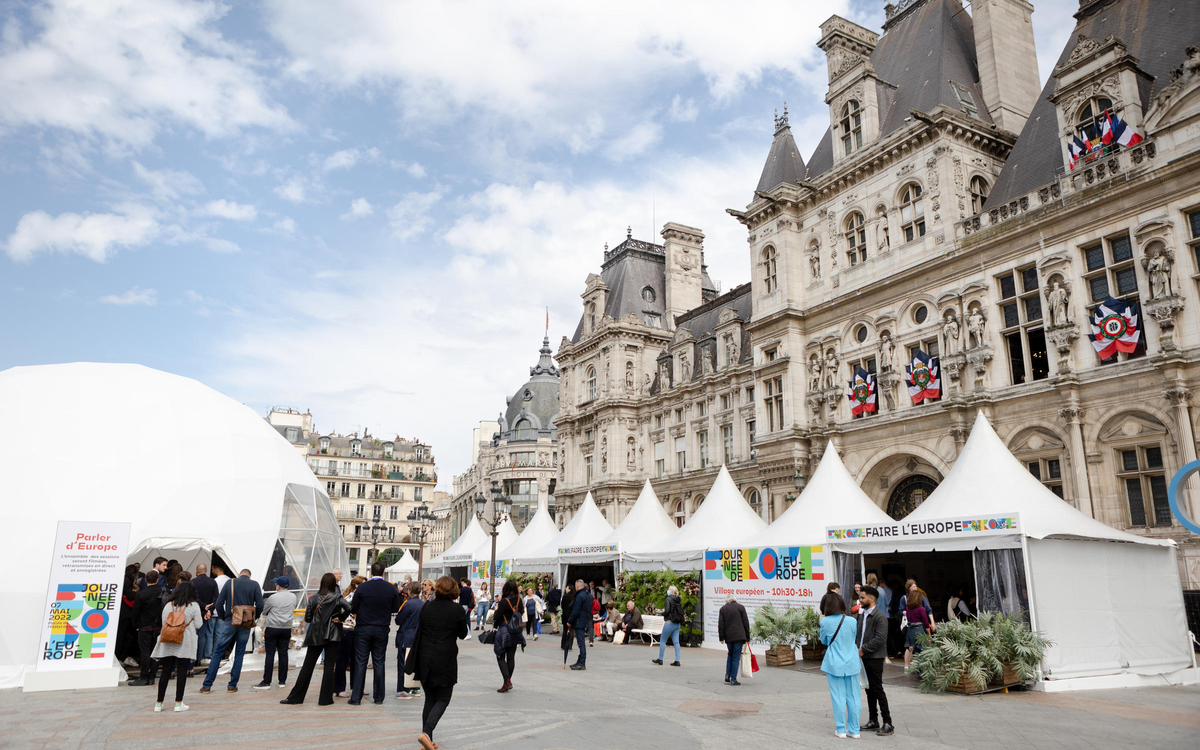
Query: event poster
781, 576
83, 598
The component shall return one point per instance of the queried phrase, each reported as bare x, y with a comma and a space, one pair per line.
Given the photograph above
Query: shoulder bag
243, 614
174, 626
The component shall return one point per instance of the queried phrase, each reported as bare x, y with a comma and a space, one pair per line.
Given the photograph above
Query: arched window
1090, 114
525, 430
755, 501
856, 239
851, 127
678, 513
979, 193
912, 212
590, 384
591, 317
770, 279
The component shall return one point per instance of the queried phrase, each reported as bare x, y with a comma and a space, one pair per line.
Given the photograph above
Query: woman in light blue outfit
841, 666
673, 617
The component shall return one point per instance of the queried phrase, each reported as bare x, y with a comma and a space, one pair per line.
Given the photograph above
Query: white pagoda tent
405, 566
540, 530
722, 521
587, 527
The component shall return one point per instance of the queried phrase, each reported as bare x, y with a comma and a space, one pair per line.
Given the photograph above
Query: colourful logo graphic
482, 569
79, 618
768, 563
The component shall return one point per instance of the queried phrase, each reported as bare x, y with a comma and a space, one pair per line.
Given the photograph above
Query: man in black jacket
147, 618
580, 620
733, 629
872, 647
373, 605
206, 597
553, 599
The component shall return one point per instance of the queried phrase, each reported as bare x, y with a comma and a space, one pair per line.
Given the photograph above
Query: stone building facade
519, 451
938, 213
364, 477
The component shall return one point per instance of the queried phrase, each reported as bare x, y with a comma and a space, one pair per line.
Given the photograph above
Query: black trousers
507, 659
146, 642
895, 639
370, 644
180, 667
325, 697
276, 640
876, 698
345, 660
436, 701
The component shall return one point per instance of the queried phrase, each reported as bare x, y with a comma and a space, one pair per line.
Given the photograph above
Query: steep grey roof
537, 399
1156, 32
919, 58
628, 269
784, 164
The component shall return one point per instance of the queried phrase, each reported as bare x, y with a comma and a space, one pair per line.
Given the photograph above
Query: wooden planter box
782, 656
1008, 678
966, 686
811, 652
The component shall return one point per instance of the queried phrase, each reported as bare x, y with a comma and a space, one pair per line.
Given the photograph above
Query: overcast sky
365, 208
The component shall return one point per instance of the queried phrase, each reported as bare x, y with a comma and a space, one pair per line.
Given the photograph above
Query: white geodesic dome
192, 471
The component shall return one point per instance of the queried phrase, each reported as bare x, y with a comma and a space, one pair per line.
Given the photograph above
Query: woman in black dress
434, 655
326, 610
508, 638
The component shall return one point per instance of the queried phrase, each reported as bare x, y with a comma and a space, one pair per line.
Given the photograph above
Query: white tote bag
746, 670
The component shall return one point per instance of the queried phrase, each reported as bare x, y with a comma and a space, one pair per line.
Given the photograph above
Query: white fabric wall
1109, 607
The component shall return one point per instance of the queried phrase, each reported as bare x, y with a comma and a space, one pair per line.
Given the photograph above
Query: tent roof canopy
645, 526
722, 521
467, 542
988, 480
540, 530
588, 526
406, 564
506, 536
832, 498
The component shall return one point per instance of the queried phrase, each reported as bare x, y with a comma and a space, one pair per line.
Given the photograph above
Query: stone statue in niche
646, 383
814, 264
1158, 262
831, 368
735, 348
950, 333
631, 454
887, 353
664, 376
976, 333
1057, 297
707, 362
629, 376
604, 454
685, 367
814, 373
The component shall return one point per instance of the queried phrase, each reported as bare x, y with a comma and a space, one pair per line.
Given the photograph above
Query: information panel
781, 576
83, 599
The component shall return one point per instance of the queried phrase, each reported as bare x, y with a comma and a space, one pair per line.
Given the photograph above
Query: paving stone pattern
622, 700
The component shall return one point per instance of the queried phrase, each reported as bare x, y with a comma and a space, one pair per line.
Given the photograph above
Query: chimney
684, 249
1007, 61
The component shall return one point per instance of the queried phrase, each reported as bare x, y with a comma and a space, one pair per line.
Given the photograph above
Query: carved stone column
1180, 398
1073, 416
953, 365
1063, 337
1164, 310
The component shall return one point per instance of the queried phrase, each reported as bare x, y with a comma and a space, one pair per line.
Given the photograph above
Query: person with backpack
177, 641
673, 618
238, 606
508, 633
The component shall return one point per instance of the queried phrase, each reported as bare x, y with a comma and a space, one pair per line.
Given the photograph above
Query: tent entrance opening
592, 572
457, 572
939, 574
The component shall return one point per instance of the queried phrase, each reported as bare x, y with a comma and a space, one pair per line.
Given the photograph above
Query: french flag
1115, 129
1075, 150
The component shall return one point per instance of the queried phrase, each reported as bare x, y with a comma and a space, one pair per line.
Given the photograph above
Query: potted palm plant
973, 656
810, 629
780, 629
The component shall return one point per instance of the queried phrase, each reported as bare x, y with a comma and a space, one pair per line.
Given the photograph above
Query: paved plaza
621, 701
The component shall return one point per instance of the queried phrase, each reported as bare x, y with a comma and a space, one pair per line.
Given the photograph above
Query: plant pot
812, 652
966, 686
1008, 678
780, 656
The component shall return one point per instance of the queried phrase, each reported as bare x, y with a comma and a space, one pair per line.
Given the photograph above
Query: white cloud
169, 184
683, 111
230, 210
287, 225
554, 69
95, 236
641, 137
134, 296
410, 217
415, 170
348, 157
359, 208
124, 70
218, 245
293, 190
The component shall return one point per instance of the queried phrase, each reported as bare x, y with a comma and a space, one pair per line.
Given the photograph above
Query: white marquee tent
722, 521
507, 534
459, 553
1111, 602
644, 527
588, 526
539, 531
211, 476
831, 498
405, 566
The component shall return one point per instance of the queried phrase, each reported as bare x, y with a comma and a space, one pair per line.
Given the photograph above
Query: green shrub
648, 590
778, 627
975, 650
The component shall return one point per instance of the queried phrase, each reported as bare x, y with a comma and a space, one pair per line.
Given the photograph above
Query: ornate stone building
519, 450
937, 213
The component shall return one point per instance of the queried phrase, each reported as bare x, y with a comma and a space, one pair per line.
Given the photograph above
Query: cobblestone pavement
622, 700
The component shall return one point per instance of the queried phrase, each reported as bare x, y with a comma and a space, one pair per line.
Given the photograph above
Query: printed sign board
962, 527
83, 599
780, 576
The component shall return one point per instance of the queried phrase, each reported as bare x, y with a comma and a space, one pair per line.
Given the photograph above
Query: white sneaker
839, 735
180, 707
157, 707
130, 661
282, 685
468, 637
535, 638
855, 737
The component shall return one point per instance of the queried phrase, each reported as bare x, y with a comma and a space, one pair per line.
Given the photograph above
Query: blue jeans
581, 635
846, 695
204, 637
481, 610
370, 641
670, 630
734, 661
225, 633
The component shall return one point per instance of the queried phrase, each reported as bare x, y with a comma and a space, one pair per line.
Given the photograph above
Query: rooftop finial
629, 232
777, 118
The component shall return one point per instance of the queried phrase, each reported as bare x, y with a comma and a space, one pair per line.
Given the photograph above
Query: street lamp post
377, 529
499, 516
420, 523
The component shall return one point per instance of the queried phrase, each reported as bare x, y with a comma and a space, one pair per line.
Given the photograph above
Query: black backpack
674, 612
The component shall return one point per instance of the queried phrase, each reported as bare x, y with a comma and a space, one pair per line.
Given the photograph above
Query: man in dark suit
872, 647
206, 597
373, 605
147, 618
580, 620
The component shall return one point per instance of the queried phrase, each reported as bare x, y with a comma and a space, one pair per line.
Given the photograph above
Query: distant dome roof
537, 400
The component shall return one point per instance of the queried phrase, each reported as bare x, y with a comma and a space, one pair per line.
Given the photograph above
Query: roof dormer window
1090, 114
324, 443
387, 449
355, 447
851, 127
